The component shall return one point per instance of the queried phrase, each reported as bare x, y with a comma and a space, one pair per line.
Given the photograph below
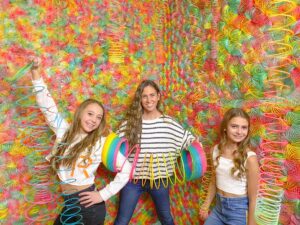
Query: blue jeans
228, 211
75, 213
129, 197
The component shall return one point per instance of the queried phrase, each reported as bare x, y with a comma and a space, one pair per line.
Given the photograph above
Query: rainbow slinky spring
207, 56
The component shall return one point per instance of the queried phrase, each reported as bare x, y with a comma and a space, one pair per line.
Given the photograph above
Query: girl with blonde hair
235, 174
77, 155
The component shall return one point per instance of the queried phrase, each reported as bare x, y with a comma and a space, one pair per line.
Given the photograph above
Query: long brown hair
133, 116
60, 157
240, 155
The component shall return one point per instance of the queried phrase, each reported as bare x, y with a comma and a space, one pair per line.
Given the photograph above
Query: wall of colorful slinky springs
207, 56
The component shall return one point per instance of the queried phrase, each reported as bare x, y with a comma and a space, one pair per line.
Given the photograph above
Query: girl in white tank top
235, 174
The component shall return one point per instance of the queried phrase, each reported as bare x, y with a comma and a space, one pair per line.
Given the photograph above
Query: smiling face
149, 100
91, 117
237, 129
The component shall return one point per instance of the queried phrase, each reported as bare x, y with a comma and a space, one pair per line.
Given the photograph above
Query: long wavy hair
239, 155
133, 116
65, 156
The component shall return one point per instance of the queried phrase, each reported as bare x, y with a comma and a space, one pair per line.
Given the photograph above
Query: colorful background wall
207, 56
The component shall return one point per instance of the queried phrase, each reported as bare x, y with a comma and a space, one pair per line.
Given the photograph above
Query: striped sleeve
120, 132
187, 136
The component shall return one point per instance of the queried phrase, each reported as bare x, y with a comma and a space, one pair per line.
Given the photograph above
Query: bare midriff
229, 195
70, 189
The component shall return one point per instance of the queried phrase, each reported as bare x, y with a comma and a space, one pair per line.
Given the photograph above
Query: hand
90, 198
36, 62
203, 213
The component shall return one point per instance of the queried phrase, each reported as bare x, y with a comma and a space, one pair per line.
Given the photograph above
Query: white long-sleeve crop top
224, 180
80, 173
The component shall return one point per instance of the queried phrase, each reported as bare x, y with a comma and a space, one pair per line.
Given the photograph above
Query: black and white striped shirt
162, 139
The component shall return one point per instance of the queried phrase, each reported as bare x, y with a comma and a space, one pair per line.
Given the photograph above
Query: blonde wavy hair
133, 116
240, 155
60, 157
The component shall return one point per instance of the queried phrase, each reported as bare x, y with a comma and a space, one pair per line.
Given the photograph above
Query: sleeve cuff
38, 84
105, 195
38, 81
48, 157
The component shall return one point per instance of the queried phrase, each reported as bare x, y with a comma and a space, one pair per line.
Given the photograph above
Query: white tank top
224, 180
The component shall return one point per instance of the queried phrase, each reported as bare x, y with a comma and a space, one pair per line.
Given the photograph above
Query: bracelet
205, 207
204, 210
32, 66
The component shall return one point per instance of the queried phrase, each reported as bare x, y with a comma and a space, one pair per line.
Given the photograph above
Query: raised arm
46, 102
35, 73
252, 186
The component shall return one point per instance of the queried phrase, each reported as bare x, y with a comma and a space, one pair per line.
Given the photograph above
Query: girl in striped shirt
160, 139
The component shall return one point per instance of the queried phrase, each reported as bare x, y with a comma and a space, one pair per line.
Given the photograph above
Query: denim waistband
231, 199
235, 205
